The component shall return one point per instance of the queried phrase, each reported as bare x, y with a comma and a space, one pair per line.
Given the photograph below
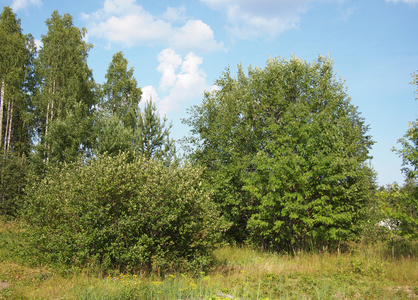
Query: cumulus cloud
125, 22
182, 81
38, 44
248, 19
23, 4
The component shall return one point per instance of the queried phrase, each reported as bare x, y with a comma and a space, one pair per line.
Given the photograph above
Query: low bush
124, 214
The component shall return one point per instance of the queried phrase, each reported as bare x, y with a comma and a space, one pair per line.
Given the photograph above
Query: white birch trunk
7, 127
10, 125
1, 107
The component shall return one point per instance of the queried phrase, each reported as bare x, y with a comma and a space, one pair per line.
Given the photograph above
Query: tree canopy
286, 154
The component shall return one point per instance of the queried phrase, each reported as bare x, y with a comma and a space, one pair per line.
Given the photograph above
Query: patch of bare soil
4, 285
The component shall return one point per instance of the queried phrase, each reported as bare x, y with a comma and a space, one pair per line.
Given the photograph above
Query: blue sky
179, 48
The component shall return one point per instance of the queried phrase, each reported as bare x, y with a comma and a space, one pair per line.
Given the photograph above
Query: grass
365, 272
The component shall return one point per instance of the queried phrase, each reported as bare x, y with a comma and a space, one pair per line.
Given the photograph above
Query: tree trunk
7, 127
1, 107
10, 125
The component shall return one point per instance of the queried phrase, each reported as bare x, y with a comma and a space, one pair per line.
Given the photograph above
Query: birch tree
16, 57
17, 82
66, 96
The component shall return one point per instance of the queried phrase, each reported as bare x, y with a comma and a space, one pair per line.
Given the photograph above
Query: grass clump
237, 273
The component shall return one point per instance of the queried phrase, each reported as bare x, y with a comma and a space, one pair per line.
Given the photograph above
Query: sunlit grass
239, 273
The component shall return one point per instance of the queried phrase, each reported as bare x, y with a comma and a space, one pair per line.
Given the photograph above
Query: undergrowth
363, 272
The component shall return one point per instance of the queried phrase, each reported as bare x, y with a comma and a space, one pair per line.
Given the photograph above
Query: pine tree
153, 135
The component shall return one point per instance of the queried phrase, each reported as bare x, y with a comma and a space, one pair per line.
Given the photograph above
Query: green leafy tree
152, 136
66, 97
117, 118
16, 89
286, 154
16, 74
409, 143
405, 208
121, 95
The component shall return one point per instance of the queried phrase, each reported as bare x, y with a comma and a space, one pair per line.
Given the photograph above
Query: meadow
238, 272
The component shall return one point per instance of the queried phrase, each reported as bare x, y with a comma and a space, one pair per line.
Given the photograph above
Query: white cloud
38, 44
182, 81
149, 92
125, 22
23, 4
248, 19
175, 14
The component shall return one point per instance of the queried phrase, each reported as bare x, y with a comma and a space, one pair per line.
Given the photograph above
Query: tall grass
362, 272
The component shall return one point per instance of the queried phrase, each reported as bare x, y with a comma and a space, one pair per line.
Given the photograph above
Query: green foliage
409, 143
400, 210
120, 92
286, 154
120, 213
401, 204
66, 99
152, 137
13, 172
112, 137
16, 84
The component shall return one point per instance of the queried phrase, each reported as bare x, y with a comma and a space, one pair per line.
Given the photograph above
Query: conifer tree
153, 134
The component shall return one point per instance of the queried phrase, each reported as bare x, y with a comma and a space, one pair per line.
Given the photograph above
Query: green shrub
124, 214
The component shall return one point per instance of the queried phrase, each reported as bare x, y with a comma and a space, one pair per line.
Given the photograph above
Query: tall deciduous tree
118, 115
121, 95
16, 87
66, 93
409, 142
16, 58
405, 209
286, 154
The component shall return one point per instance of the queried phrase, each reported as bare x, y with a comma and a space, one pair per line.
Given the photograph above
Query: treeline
276, 157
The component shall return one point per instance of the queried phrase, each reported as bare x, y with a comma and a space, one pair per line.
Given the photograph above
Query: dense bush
13, 170
123, 214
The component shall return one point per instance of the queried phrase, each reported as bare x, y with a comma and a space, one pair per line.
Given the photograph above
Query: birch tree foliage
16, 57
66, 90
16, 87
121, 95
117, 117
